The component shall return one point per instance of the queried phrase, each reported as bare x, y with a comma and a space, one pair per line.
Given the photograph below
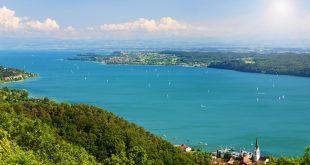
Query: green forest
284, 64
272, 63
41, 131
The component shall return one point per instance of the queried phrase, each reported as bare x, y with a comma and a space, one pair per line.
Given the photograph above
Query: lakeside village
229, 156
13, 75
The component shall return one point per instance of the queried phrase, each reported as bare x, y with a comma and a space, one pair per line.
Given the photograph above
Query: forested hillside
41, 131
285, 64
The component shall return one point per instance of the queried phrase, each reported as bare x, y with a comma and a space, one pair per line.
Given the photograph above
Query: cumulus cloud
12, 24
8, 20
150, 25
167, 23
47, 25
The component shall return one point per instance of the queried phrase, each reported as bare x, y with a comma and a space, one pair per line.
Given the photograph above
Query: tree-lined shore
272, 63
13, 75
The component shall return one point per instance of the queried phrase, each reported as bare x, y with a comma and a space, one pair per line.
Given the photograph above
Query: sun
282, 8
281, 16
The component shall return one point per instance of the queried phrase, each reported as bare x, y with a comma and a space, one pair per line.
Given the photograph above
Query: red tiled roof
183, 146
246, 160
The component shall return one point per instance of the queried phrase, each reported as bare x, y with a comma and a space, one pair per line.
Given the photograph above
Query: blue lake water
202, 107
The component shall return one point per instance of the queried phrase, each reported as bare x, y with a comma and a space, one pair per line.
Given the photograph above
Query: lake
202, 107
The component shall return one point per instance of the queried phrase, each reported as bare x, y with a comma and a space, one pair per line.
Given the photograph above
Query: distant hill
272, 63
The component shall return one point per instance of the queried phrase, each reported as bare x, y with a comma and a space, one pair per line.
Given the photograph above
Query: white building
185, 148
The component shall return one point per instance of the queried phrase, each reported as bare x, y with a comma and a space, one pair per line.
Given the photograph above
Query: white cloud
150, 25
8, 20
47, 25
70, 29
31, 27
168, 23
90, 28
269, 25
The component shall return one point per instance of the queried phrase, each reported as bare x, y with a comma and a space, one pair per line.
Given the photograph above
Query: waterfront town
229, 156
13, 75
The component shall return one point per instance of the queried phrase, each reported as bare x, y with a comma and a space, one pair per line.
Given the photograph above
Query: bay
202, 107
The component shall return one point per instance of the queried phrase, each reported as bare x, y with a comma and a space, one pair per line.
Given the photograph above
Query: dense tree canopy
43, 131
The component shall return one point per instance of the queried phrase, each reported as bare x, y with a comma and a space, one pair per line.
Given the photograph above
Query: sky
276, 22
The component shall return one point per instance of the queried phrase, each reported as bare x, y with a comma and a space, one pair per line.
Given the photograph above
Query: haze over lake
204, 108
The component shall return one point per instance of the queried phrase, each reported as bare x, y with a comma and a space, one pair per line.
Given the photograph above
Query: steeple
256, 151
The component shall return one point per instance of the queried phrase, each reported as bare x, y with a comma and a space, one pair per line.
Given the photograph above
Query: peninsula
13, 75
297, 64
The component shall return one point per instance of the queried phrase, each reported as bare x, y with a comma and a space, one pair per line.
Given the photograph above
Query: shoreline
18, 81
7, 82
111, 64
189, 66
194, 148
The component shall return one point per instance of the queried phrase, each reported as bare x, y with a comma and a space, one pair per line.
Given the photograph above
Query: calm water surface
202, 107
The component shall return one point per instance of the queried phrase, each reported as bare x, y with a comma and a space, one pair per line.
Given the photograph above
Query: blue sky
258, 21
99, 11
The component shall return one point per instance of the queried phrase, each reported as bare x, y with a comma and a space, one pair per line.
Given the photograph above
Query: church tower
256, 151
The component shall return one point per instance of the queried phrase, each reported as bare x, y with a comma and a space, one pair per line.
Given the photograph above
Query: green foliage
59, 133
287, 161
134, 58
11, 153
304, 160
288, 64
285, 63
201, 158
306, 157
138, 155
120, 159
227, 155
40, 140
12, 74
